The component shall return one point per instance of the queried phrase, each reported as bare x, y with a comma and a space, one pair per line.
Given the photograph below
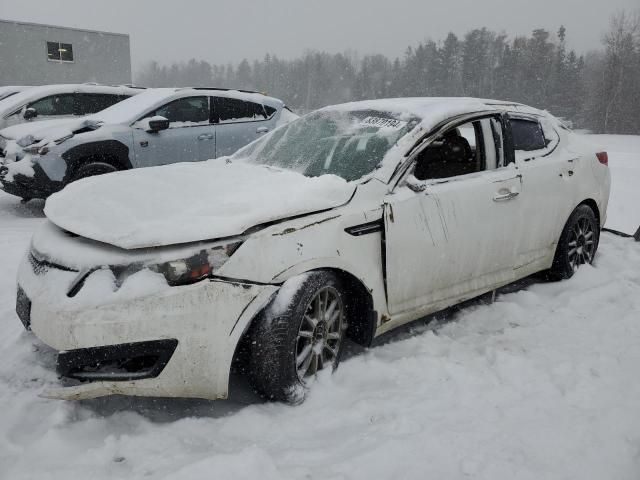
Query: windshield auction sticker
383, 122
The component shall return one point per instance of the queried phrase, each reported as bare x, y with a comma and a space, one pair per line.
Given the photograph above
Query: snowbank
624, 163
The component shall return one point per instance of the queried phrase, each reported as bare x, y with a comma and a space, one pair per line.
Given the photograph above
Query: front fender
316, 264
281, 251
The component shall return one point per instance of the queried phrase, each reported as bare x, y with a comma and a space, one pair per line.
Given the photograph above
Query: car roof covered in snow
13, 102
130, 110
9, 90
432, 110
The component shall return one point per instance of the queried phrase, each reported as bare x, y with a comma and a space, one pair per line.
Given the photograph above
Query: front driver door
189, 138
448, 239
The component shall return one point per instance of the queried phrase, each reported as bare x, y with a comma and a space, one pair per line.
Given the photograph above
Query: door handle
501, 197
262, 130
205, 136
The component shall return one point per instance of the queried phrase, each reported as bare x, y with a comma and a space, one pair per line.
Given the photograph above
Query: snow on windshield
349, 144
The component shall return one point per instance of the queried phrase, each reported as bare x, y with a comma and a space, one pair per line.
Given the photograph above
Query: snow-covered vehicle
157, 127
9, 90
347, 222
46, 102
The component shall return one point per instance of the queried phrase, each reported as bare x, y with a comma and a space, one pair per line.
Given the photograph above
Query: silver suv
156, 127
45, 102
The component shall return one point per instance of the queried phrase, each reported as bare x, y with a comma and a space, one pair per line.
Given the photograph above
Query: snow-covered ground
542, 384
624, 160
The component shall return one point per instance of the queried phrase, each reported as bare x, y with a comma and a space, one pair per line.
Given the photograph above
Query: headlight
184, 271
201, 265
36, 150
30, 146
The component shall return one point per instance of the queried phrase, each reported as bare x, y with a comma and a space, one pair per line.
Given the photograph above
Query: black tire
280, 337
578, 243
91, 170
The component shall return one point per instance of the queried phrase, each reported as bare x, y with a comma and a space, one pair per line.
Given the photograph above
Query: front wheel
300, 333
91, 170
578, 243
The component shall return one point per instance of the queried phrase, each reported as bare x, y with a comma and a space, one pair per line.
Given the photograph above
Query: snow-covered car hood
189, 202
16, 132
33, 132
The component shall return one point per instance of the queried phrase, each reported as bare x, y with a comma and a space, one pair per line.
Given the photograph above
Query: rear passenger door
238, 122
547, 188
189, 138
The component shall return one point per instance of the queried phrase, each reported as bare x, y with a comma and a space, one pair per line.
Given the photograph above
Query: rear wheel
298, 335
578, 243
91, 170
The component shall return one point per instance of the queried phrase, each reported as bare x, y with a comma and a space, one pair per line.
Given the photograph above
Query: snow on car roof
244, 95
12, 90
431, 110
19, 99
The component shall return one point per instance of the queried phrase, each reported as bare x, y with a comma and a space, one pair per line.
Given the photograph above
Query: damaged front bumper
39, 185
178, 342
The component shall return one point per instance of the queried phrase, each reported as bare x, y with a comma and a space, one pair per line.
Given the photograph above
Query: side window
527, 135
234, 110
269, 110
185, 111
54, 105
467, 148
87, 103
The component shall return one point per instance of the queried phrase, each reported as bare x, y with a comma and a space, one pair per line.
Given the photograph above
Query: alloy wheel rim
581, 243
320, 333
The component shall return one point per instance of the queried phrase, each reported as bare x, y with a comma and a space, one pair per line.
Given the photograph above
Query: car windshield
349, 144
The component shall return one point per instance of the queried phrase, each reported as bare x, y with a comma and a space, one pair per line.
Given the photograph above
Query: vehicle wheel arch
591, 203
362, 318
563, 266
362, 325
112, 152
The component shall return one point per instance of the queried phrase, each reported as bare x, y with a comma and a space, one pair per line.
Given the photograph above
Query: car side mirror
30, 113
154, 124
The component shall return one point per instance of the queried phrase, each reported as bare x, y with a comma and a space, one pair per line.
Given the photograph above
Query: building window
59, 52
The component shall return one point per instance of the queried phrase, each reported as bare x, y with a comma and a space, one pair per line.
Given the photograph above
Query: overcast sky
228, 31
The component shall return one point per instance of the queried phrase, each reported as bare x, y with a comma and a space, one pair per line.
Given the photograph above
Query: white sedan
347, 222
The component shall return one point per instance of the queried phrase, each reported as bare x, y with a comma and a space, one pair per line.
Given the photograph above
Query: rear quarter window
235, 110
527, 135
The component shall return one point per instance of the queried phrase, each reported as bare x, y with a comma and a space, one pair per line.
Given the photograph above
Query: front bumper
206, 321
37, 186
127, 361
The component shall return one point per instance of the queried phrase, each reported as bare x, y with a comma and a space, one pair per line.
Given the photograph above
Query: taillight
603, 158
